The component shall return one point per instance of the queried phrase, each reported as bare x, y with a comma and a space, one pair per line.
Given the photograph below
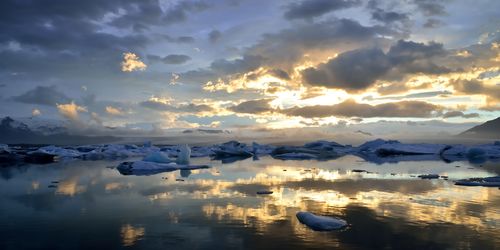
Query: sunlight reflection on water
388, 207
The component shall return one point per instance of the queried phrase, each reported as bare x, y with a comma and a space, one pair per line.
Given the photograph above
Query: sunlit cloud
70, 111
131, 62
114, 111
36, 112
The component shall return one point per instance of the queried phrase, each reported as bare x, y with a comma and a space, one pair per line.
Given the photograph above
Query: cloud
359, 69
281, 74
166, 105
214, 36
351, 108
451, 114
285, 49
433, 23
388, 16
175, 59
252, 107
131, 62
180, 39
308, 9
114, 111
351, 71
70, 110
476, 87
426, 94
36, 112
179, 12
430, 7
42, 95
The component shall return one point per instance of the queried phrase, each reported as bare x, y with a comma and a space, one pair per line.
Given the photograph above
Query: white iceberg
320, 223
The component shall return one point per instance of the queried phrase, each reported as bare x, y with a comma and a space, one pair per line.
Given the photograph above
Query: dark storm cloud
350, 108
189, 108
252, 107
175, 59
352, 70
139, 15
388, 16
308, 9
451, 114
42, 95
430, 7
214, 36
358, 69
284, 48
65, 38
179, 12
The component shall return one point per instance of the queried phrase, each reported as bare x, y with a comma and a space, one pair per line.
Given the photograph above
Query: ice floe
320, 223
484, 182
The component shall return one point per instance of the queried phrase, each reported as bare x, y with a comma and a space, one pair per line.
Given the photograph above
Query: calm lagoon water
90, 205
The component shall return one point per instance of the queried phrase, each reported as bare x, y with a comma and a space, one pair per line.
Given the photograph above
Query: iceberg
184, 154
59, 152
321, 150
158, 157
320, 223
231, 149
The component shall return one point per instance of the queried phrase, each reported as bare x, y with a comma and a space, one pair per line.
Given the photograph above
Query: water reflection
386, 206
131, 234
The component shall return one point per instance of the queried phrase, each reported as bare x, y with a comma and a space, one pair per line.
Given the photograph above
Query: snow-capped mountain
43, 126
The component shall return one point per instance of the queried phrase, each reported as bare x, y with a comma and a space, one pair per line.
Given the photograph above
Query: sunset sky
229, 64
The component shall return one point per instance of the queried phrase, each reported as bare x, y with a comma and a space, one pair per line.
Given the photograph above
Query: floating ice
231, 148
148, 168
485, 182
320, 223
428, 176
60, 152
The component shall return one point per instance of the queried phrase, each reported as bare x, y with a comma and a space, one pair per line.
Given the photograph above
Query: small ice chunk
428, 176
320, 223
264, 192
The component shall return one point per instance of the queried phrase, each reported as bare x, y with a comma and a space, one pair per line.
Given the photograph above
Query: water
92, 206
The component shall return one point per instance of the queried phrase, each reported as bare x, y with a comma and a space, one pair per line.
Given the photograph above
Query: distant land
489, 129
17, 132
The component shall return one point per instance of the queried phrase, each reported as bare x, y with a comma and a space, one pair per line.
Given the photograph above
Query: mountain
16, 132
489, 129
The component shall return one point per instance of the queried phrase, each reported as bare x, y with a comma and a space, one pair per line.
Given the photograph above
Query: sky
250, 65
